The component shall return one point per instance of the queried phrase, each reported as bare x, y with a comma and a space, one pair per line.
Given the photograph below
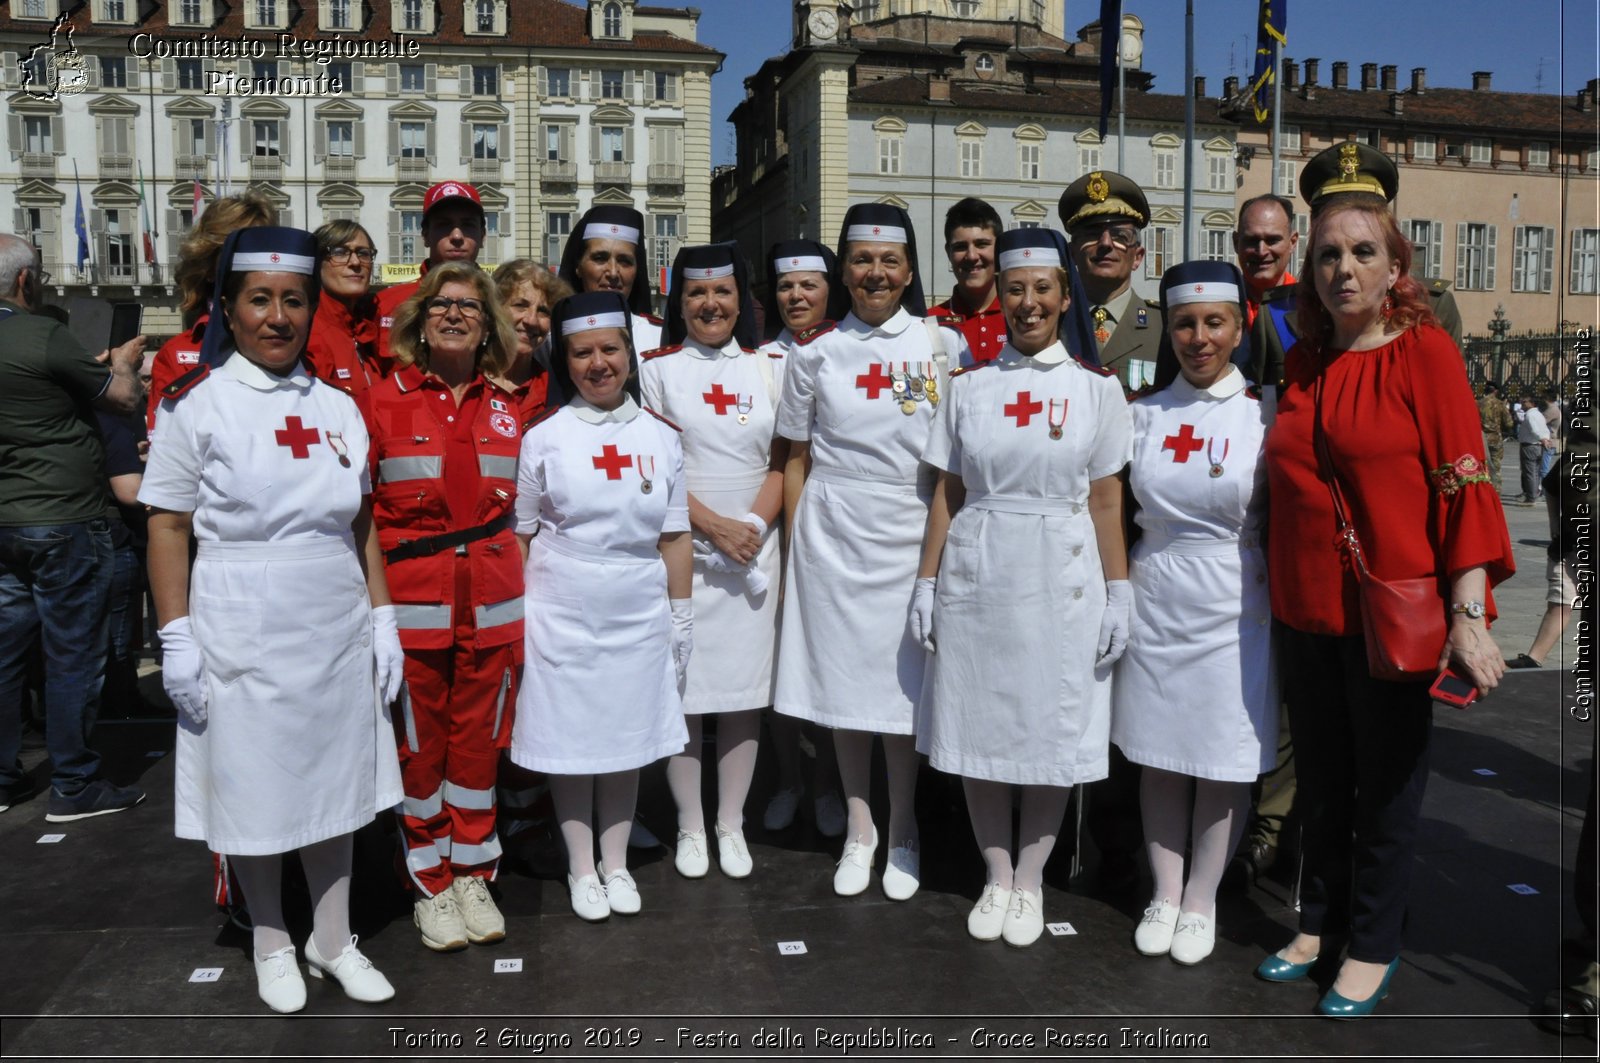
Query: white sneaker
988, 916
278, 981
781, 809
691, 859
1024, 918
589, 898
353, 971
902, 874
855, 866
829, 812
484, 923
1153, 936
439, 919
622, 892
733, 855
1194, 938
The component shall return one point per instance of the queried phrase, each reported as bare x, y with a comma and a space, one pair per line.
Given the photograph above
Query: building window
666, 241
408, 240
1427, 242
266, 138
612, 21
1285, 178
485, 81
1158, 250
116, 10
485, 16
1038, 12
1475, 252
1166, 168
116, 245
558, 81
1291, 138
1219, 172
1425, 147
339, 15
1088, 158
189, 11
984, 64
666, 85
195, 144
971, 158
1533, 258
889, 153
485, 140
1539, 153
1585, 261
114, 73
552, 143
866, 10
33, 9
1480, 149
36, 137
411, 16
264, 70
965, 8
413, 140
191, 74
613, 144
611, 84
343, 75
557, 227
266, 12
413, 77
1219, 245
342, 140
1028, 160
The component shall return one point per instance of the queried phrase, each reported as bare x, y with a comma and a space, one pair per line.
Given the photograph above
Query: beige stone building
1499, 191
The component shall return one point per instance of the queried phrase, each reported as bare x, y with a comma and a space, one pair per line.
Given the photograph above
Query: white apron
1197, 692
1015, 695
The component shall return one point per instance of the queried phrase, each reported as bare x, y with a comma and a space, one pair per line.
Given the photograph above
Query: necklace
1216, 463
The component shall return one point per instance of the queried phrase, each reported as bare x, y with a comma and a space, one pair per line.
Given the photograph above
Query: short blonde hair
499, 341
508, 276
196, 271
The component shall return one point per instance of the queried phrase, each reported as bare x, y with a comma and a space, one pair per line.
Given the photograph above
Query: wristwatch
1471, 610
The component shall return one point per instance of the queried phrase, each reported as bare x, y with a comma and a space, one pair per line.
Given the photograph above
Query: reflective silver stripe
466, 797
419, 860
500, 703
424, 807
498, 613
495, 465
424, 617
423, 467
473, 855
411, 721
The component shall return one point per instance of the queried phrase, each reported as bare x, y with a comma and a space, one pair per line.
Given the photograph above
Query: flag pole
1188, 127
1122, 102
1277, 112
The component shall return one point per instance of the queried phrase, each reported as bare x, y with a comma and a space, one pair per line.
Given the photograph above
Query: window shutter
627, 85
391, 73
505, 224
1519, 248
285, 69
394, 235
433, 142
1461, 254
283, 146
1547, 260
14, 134
169, 75
464, 76
319, 140
174, 225
1488, 268
1575, 280
627, 144
594, 143
211, 136
544, 84
19, 221
100, 147
360, 145
505, 141
430, 79
394, 141
568, 152
8, 68
91, 72
286, 218
466, 143
1435, 249
247, 139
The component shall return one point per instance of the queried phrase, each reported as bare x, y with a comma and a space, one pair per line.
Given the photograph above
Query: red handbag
1404, 621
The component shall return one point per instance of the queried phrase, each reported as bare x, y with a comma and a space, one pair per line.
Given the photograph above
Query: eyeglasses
340, 255
1121, 235
45, 279
440, 306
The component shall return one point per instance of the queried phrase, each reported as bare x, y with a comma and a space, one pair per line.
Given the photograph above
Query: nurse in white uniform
797, 295
1022, 592
724, 395
1196, 695
606, 253
602, 511
857, 403
280, 647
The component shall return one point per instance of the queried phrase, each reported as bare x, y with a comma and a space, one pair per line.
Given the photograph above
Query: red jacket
343, 348
176, 357
439, 468
985, 331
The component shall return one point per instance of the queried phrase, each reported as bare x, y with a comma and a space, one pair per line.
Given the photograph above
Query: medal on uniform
336, 442
1055, 425
744, 406
1101, 333
908, 407
931, 389
898, 383
646, 484
1216, 463
917, 385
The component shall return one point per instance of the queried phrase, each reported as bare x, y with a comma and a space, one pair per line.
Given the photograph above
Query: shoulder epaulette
1282, 293
1154, 304
748, 350
540, 417
963, 370
181, 386
1102, 370
662, 419
1254, 391
653, 320
1144, 392
822, 328
661, 351
774, 354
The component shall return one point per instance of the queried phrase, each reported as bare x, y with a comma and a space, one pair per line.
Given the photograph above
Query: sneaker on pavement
484, 923
439, 918
16, 793
99, 798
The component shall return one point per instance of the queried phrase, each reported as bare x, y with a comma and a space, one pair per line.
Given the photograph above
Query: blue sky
1529, 45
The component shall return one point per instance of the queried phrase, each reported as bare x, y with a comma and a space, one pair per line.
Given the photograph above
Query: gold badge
1098, 189
1349, 160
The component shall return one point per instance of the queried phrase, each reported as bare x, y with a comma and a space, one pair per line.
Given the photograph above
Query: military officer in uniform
1496, 418
1103, 213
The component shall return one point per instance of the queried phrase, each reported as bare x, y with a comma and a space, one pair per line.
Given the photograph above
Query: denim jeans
55, 582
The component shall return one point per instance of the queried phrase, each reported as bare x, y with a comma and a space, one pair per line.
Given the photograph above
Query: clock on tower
816, 22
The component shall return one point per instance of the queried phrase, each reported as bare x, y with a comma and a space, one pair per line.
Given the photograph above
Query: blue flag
1110, 45
1271, 32
82, 227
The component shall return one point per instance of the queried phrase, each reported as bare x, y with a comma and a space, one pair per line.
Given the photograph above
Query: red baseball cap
445, 191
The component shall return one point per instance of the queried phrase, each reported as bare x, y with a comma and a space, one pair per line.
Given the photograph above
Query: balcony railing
38, 164
411, 169
485, 170
613, 173
556, 172
266, 168
193, 166
666, 174
340, 168
116, 166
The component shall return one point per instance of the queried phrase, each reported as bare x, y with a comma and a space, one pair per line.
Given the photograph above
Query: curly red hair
1410, 298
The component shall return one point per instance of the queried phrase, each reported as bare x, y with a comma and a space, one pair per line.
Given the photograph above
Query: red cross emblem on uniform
274, 256
613, 230
1027, 253
719, 400
591, 321
1182, 445
1198, 288
612, 463
1023, 408
876, 231
297, 437
874, 381
794, 262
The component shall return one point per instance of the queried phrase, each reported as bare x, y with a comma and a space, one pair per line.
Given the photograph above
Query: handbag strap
1347, 531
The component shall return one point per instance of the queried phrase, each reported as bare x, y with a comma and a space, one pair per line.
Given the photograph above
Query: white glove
760, 525
714, 560
922, 612
682, 636
1116, 622
182, 670
386, 648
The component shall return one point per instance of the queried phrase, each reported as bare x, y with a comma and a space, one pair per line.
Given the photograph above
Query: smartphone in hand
1453, 689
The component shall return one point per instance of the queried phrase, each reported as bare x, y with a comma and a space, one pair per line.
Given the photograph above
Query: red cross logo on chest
1023, 408
611, 462
297, 437
720, 399
874, 381
1182, 445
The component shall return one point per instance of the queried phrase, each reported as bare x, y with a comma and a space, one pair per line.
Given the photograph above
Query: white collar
731, 349
785, 339
1226, 387
252, 375
589, 413
1054, 354
892, 327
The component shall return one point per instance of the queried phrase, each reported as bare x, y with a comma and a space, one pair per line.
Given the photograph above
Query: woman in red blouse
343, 349
1403, 437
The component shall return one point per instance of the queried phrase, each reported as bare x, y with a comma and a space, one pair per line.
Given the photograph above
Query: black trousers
1361, 751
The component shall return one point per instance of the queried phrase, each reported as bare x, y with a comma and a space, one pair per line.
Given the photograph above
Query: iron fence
1524, 361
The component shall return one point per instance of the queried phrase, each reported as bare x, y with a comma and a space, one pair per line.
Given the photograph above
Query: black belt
434, 544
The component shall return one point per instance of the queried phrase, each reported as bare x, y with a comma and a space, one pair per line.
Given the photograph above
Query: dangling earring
1388, 304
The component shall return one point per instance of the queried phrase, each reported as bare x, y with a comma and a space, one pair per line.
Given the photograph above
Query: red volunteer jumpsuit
439, 468
343, 347
985, 330
176, 357
389, 300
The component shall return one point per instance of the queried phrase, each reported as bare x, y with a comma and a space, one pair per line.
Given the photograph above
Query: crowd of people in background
407, 546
